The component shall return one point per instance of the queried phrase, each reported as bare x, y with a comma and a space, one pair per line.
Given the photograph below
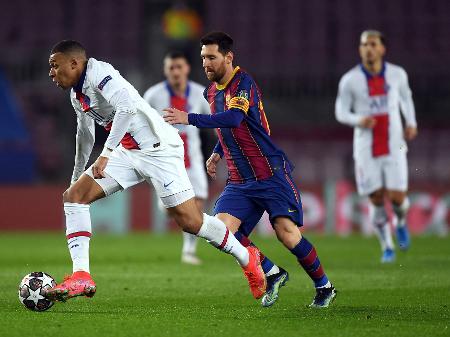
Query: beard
217, 75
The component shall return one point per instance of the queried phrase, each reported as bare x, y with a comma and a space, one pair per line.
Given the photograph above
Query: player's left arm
118, 96
237, 110
407, 107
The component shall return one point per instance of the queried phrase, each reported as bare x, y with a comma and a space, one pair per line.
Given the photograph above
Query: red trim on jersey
84, 103
210, 98
297, 198
258, 162
380, 133
187, 159
181, 103
128, 142
225, 239
234, 174
380, 136
73, 235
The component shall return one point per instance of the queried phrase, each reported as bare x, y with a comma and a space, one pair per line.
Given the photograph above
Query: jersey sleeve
241, 98
104, 79
344, 102
406, 102
84, 142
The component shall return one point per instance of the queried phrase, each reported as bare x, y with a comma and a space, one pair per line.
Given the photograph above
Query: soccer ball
32, 291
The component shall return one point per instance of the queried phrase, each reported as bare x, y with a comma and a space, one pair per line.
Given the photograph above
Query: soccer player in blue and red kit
259, 173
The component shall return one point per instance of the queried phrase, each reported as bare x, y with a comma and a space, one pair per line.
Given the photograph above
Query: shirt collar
223, 86
369, 75
79, 86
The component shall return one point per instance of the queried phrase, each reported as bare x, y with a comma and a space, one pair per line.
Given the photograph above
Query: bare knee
74, 195
78, 195
287, 232
187, 216
377, 197
396, 197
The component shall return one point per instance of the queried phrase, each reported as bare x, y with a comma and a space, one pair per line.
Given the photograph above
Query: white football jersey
382, 96
91, 99
161, 96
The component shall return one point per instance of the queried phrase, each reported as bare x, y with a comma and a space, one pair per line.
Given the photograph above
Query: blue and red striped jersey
248, 149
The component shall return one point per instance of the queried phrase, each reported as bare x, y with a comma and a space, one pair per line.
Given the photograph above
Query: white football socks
189, 244
78, 232
217, 234
401, 211
379, 219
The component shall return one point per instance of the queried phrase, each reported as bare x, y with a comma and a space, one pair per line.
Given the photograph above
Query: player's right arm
343, 107
84, 142
211, 163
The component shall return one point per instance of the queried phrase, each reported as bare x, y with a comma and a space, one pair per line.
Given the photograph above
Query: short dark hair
68, 46
176, 54
223, 40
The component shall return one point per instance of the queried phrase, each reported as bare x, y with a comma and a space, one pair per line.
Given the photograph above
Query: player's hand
175, 116
410, 132
211, 165
368, 122
99, 166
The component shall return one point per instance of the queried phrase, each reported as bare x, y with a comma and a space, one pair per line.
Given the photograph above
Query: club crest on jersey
102, 84
243, 94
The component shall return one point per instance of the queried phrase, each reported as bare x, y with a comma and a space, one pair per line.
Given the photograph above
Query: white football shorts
164, 169
389, 172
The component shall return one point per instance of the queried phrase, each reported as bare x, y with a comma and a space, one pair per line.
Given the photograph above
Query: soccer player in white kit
370, 98
140, 147
178, 92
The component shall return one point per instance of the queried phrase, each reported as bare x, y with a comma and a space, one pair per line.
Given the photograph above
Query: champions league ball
32, 291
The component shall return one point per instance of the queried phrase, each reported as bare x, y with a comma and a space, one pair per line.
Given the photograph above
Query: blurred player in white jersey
370, 98
178, 92
140, 147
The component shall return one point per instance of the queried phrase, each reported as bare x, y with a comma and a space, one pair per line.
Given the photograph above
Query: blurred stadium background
296, 51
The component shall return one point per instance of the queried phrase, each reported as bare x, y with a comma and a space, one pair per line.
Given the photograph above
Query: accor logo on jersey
102, 84
379, 104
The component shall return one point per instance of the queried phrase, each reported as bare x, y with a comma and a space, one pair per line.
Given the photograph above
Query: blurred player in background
181, 93
140, 147
370, 98
259, 173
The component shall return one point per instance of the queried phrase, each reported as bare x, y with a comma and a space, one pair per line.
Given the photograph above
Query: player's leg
199, 181
168, 175
77, 199
213, 230
370, 182
379, 219
276, 276
281, 199
396, 172
189, 249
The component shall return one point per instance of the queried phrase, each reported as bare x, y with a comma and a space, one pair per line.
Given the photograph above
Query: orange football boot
79, 283
255, 274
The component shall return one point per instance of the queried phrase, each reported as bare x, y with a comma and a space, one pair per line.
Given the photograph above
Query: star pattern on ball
35, 295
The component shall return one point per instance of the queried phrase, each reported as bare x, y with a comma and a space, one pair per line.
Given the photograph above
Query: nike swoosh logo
292, 210
165, 185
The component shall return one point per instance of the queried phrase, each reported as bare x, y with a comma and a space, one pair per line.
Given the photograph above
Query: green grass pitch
143, 290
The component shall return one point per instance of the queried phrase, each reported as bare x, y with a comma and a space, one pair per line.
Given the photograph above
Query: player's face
371, 49
176, 70
63, 70
214, 62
